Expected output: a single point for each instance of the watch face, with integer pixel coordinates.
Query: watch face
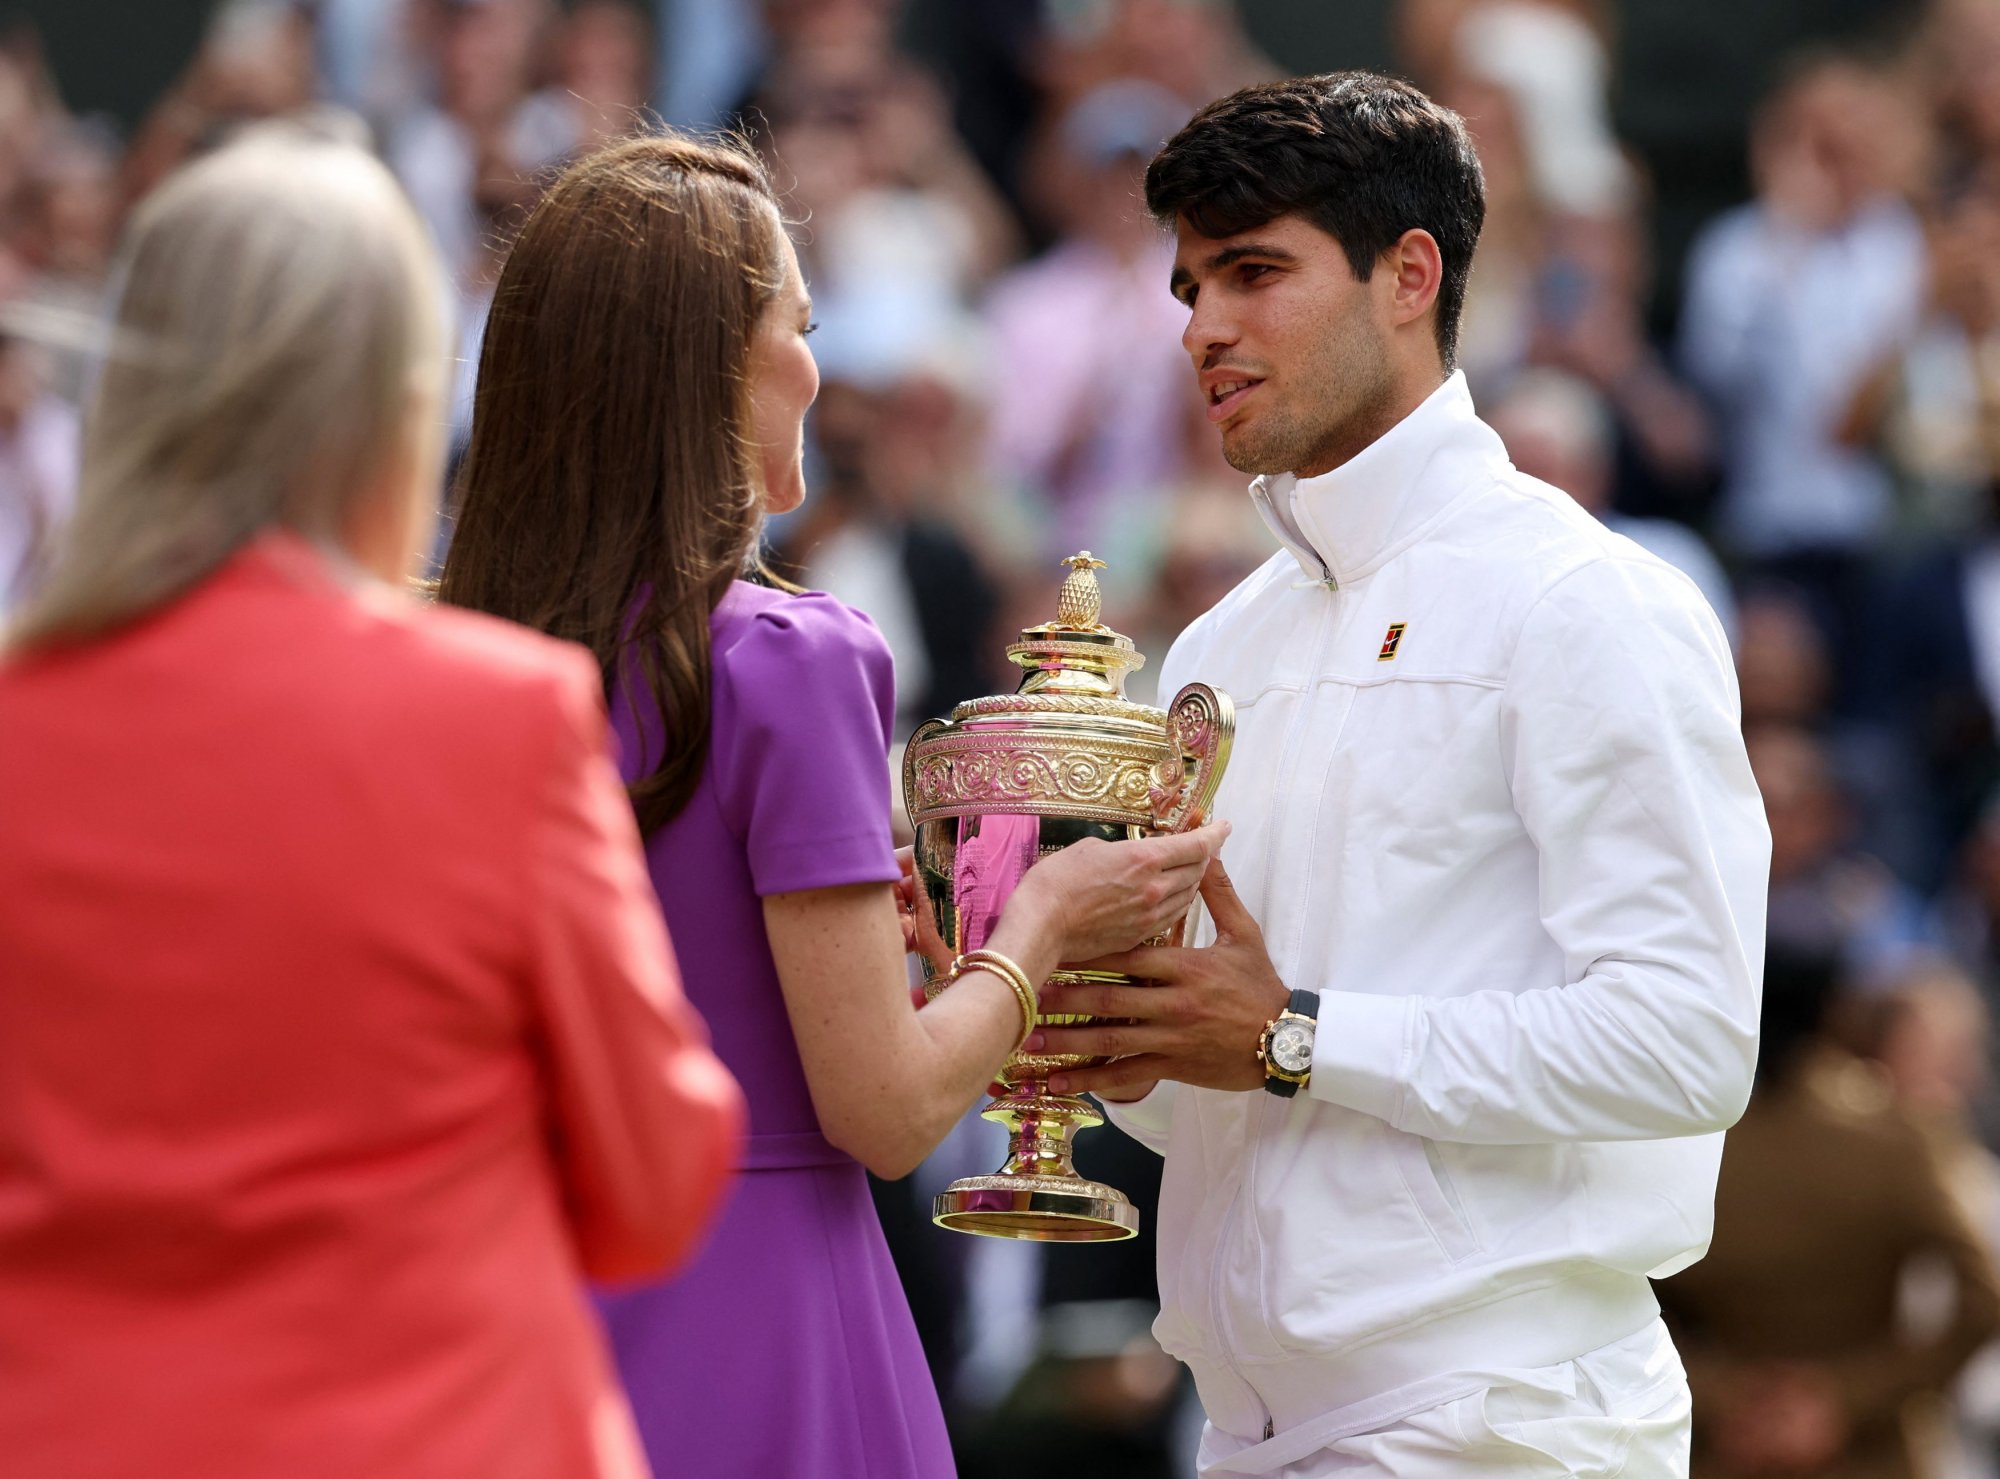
(1292, 1047)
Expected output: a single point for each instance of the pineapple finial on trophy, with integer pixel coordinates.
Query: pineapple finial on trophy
(1080, 604)
(1076, 653)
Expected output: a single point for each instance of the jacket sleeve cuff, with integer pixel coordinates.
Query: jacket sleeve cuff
(1361, 1051)
(1146, 1120)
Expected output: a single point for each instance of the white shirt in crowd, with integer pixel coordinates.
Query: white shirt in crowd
(1780, 328)
(433, 155)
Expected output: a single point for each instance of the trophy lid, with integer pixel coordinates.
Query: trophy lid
(1076, 653)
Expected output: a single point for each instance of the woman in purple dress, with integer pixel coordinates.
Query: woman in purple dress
(641, 398)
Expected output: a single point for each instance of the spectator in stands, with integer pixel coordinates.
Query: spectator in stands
(1931, 406)
(1595, 282)
(1089, 375)
(255, 62)
(67, 218)
(1817, 875)
(70, 205)
(1783, 664)
(1930, 1031)
(905, 229)
(1958, 56)
(605, 68)
(1791, 302)
(1551, 57)
(488, 131)
(1927, 668)
(1790, 1326)
(1194, 51)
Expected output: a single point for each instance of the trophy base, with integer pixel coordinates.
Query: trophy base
(1040, 1209)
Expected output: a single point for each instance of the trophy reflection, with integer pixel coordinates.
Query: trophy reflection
(1007, 780)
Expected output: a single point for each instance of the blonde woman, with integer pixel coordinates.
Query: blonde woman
(338, 1029)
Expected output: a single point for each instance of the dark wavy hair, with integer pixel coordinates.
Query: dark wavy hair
(609, 493)
(1363, 157)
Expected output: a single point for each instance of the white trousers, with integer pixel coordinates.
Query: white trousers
(1620, 1411)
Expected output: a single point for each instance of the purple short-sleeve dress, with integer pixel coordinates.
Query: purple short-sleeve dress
(786, 1349)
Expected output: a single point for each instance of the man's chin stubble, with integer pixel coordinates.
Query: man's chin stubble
(1256, 457)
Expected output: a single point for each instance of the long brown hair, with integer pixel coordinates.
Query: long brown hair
(610, 493)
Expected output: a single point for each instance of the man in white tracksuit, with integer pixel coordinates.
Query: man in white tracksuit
(1442, 1080)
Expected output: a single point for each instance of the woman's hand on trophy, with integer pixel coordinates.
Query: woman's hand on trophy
(1198, 1022)
(1102, 896)
(919, 920)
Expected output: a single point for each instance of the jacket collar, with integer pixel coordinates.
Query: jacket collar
(1343, 525)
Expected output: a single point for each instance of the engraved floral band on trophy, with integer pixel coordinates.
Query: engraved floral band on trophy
(1007, 780)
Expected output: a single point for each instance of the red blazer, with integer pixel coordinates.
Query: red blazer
(339, 1037)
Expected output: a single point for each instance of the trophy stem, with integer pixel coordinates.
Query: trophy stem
(1040, 1128)
(1037, 1195)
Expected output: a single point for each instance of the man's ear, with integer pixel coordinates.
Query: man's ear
(1416, 272)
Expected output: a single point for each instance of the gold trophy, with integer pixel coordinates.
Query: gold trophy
(1006, 781)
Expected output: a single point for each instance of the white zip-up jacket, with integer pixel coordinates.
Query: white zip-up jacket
(1490, 800)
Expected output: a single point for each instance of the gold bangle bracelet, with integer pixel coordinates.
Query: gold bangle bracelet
(1016, 979)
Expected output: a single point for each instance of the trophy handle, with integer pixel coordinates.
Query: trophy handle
(924, 731)
(1201, 725)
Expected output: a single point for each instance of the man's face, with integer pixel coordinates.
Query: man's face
(1291, 349)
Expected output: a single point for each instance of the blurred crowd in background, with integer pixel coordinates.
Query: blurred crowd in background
(1804, 415)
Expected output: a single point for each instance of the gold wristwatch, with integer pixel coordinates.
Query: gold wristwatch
(1286, 1048)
